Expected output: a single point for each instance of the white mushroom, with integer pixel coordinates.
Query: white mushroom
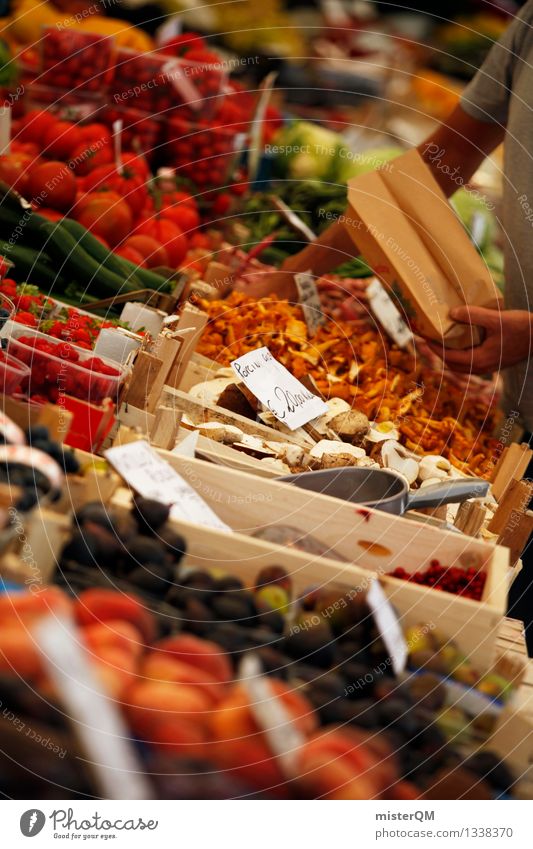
(367, 463)
(429, 482)
(382, 431)
(209, 391)
(394, 457)
(434, 466)
(329, 446)
(228, 434)
(276, 465)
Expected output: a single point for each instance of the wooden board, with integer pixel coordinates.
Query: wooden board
(472, 624)
(201, 412)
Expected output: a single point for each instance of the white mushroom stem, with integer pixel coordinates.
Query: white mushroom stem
(434, 466)
(393, 457)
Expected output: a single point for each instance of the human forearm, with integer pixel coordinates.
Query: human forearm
(457, 148)
(333, 247)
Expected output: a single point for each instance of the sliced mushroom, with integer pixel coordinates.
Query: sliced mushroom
(329, 446)
(382, 431)
(209, 391)
(228, 434)
(434, 466)
(394, 457)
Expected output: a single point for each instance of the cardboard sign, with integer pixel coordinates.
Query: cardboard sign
(152, 477)
(271, 715)
(402, 223)
(389, 626)
(96, 720)
(310, 301)
(387, 314)
(275, 387)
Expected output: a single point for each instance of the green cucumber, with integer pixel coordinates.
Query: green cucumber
(98, 251)
(82, 267)
(29, 265)
(149, 279)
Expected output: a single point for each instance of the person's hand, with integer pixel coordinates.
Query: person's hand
(261, 284)
(508, 337)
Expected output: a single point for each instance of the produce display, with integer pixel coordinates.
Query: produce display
(173, 671)
(253, 638)
(357, 363)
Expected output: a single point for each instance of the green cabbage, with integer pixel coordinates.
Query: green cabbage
(476, 216)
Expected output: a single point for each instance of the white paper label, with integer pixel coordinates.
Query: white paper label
(152, 477)
(188, 445)
(169, 30)
(387, 314)
(271, 715)
(286, 398)
(310, 301)
(97, 721)
(389, 626)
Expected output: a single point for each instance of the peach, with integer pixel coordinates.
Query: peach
(115, 668)
(335, 765)
(19, 654)
(148, 702)
(101, 605)
(31, 605)
(233, 718)
(186, 738)
(200, 653)
(117, 633)
(158, 667)
(252, 761)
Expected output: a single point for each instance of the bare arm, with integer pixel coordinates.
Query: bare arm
(457, 148)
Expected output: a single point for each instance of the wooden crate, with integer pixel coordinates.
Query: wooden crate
(372, 542)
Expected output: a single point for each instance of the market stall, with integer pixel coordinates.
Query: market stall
(269, 538)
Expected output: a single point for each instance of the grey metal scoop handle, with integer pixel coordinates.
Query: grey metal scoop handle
(447, 492)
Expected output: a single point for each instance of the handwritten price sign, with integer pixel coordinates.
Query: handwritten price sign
(278, 389)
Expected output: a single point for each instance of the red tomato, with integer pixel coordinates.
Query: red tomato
(200, 240)
(167, 234)
(171, 198)
(186, 217)
(15, 170)
(106, 215)
(153, 253)
(127, 184)
(34, 125)
(54, 183)
(180, 44)
(136, 163)
(89, 155)
(60, 139)
(46, 212)
(95, 132)
(26, 147)
(127, 252)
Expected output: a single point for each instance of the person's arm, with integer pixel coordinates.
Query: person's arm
(453, 153)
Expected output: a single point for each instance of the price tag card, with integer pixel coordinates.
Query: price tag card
(310, 301)
(389, 626)
(286, 398)
(387, 314)
(152, 477)
(96, 720)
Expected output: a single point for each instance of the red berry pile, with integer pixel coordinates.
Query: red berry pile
(58, 369)
(72, 59)
(450, 579)
(29, 303)
(70, 325)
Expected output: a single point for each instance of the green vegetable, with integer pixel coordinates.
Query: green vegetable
(98, 251)
(75, 261)
(477, 217)
(29, 265)
(307, 151)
